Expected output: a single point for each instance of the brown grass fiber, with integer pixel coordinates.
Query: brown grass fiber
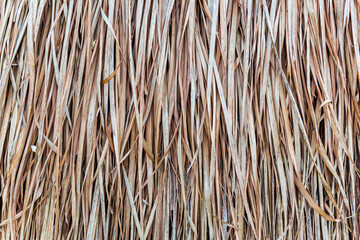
(179, 119)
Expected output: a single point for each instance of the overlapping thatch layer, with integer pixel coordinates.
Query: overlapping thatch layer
(181, 119)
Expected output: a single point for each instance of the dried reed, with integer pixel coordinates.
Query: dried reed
(159, 119)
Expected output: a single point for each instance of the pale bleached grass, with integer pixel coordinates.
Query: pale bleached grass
(192, 119)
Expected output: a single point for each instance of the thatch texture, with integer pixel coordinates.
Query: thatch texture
(181, 119)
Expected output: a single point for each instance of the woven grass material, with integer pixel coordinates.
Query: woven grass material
(181, 119)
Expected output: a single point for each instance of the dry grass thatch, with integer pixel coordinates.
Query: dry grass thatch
(179, 119)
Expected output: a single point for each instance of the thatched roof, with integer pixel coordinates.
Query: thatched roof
(178, 119)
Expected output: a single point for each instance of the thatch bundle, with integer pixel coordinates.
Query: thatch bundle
(181, 119)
